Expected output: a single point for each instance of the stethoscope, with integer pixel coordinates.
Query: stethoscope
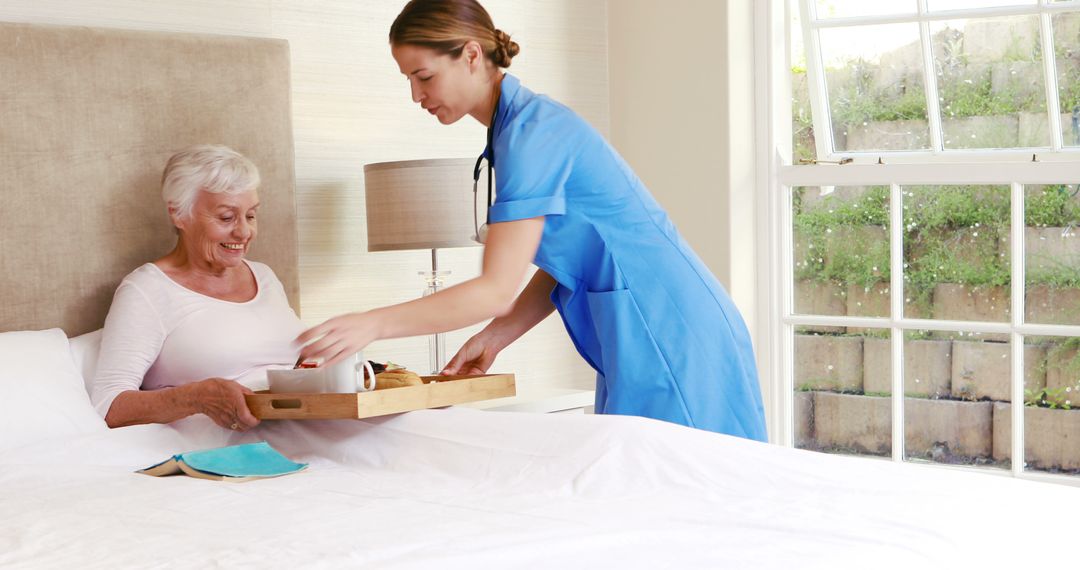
(489, 152)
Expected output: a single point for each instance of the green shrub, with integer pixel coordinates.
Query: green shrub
(952, 234)
(1053, 398)
(1054, 206)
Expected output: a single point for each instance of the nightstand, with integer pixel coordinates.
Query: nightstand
(541, 400)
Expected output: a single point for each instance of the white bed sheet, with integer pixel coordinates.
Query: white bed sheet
(458, 488)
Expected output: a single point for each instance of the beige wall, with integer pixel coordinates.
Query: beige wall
(350, 107)
(680, 74)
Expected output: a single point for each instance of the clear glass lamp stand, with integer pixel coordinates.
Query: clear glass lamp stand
(435, 280)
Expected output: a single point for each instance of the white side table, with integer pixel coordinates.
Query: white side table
(542, 400)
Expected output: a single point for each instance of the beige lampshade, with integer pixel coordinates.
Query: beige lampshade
(422, 204)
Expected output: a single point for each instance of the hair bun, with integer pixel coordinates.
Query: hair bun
(505, 49)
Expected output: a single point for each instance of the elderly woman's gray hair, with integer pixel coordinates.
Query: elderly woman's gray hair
(208, 168)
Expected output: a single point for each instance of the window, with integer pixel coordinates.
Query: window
(926, 289)
(935, 78)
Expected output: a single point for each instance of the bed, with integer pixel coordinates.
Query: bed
(451, 488)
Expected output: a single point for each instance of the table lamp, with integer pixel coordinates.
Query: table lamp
(424, 204)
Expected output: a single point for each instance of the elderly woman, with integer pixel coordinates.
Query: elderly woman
(195, 330)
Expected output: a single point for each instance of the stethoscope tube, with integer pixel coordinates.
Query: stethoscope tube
(489, 152)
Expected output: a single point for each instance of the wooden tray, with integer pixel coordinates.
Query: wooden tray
(436, 392)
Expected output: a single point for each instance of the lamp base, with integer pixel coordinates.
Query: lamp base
(435, 280)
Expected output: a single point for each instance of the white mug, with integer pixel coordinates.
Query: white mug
(348, 375)
(344, 377)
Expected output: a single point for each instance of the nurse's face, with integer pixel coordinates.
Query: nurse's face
(449, 88)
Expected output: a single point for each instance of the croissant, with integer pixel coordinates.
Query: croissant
(397, 379)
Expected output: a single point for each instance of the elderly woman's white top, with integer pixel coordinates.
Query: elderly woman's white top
(160, 334)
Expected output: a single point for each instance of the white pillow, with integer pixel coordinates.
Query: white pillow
(43, 393)
(84, 350)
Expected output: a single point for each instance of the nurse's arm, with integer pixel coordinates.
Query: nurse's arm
(511, 247)
(532, 306)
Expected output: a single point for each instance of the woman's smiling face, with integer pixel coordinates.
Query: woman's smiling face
(220, 229)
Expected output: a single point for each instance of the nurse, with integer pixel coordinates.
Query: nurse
(640, 306)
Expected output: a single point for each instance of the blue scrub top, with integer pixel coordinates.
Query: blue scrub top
(640, 306)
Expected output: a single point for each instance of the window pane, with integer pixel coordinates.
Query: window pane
(853, 8)
(1052, 254)
(841, 257)
(956, 252)
(1051, 414)
(874, 80)
(990, 82)
(953, 383)
(1067, 50)
(802, 123)
(834, 412)
(968, 4)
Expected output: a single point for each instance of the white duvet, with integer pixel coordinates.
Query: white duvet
(460, 488)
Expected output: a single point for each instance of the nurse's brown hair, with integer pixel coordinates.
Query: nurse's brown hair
(446, 25)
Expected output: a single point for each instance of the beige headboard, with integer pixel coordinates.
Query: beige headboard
(88, 118)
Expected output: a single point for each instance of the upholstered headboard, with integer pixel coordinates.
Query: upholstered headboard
(88, 118)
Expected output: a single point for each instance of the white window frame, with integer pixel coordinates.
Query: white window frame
(777, 176)
(822, 119)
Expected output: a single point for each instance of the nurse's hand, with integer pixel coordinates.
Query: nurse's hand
(339, 337)
(475, 356)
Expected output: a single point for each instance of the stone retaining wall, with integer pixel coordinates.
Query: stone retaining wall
(957, 406)
(957, 385)
(927, 367)
(956, 369)
(1043, 304)
(1051, 437)
(932, 428)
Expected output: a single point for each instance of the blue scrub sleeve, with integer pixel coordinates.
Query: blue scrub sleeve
(532, 165)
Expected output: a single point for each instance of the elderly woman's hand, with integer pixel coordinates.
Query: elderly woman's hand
(223, 400)
(339, 337)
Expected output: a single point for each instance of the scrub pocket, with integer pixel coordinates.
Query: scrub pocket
(637, 377)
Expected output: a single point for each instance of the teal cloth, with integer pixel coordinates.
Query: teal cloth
(247, 460)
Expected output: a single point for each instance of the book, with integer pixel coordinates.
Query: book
(234, 463)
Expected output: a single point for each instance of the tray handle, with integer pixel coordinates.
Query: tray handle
(287, 404)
